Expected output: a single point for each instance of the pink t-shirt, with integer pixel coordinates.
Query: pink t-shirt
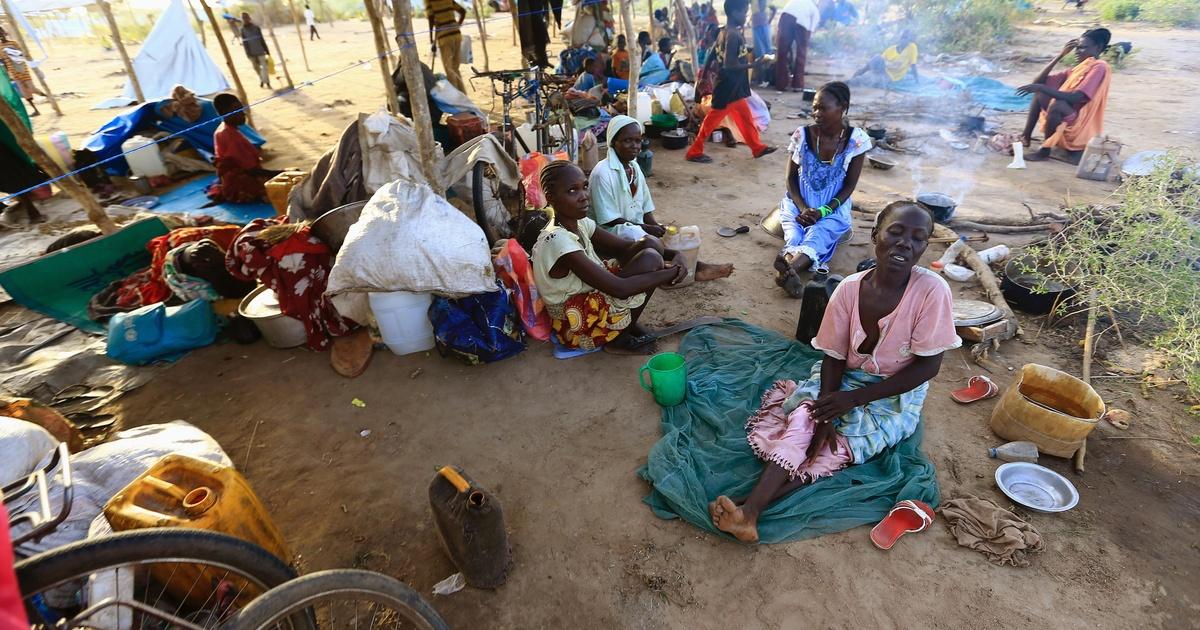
(922, 324)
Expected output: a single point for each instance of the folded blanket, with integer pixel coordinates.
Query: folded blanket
(704, 453)
(992, 530)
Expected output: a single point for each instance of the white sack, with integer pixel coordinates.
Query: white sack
(102, 471)
(410, 239)
(22, 446)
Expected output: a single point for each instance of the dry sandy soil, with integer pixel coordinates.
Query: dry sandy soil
(559, 442)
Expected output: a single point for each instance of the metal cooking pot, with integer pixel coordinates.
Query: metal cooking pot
(1019, 286)
(332, 226)
(942, 206)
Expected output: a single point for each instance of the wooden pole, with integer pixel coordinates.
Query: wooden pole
(271, 30)
(15, 29)
(77, 190)
(382, 60)
(383, 29)
(487, 66)
(635, 57)
(299, 34)
(410, 64)
(116, 35)
(199, 24)
(237, 81)
(513, 12)
(682, 18)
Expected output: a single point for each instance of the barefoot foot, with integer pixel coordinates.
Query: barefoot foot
(715, 512)
(735, 520)
(706, 271)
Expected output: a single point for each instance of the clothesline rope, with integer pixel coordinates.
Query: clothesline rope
(280, 94)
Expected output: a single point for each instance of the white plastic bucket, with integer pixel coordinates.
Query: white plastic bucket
(144, 162)
(403, 319)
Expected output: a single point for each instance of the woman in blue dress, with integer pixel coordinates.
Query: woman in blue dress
(827, 159)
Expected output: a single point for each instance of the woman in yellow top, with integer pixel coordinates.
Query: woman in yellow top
(894, 63)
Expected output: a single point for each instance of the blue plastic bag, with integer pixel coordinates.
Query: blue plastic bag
(476, 329)
(160, 333)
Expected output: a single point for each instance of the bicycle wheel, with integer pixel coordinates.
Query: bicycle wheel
(186, 577)
(343, 598)
(492, 201)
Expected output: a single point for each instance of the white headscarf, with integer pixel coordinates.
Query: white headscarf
(617, 124)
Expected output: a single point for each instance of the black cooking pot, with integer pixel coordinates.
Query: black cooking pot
(941, 206)
(1030, 291)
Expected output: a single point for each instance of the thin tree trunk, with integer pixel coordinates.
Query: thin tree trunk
(410, 65)
(116, 35)
(271, 30)
(635, 57)
(237, 80)
(299, 34)
(487, 66)
(382, 58)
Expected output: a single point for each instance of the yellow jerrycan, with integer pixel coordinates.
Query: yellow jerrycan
(183, 491)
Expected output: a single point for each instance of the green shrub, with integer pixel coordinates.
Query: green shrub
(1170, 12)
(961, 25)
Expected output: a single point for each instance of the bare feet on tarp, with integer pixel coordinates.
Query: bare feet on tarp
(735, 520)
(706, 271)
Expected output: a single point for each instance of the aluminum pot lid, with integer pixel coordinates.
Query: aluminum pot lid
(974, 312)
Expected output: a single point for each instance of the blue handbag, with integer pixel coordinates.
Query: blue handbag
(160, 333)
(476, 329)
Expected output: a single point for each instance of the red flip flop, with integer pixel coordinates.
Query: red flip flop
(978, 388)
(907, 517)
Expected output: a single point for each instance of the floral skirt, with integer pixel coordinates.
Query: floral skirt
(783, 438)
(589, 320)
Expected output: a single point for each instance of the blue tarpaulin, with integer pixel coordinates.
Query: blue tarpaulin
(106, 141)
(984, 91)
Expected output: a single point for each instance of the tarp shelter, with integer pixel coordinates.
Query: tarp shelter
(173, 55)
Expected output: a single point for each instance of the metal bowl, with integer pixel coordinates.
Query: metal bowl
(1036, 487)
(881, 163)
(332, 226)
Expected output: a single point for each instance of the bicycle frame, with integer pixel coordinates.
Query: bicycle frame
(43, 521)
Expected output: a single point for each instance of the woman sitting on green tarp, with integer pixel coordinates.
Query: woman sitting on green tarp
(883, 336)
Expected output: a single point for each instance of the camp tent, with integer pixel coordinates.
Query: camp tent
(172, 55)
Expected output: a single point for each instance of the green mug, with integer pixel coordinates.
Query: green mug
(668, 378)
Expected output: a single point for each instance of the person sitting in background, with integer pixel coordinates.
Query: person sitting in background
(587, 78)
(826, 161)
(894, 63)
(645, 45)
(665, 51)
(440, 132)
(620, 198)
(883, 334)
(620, 60)
(239, 163)
(595, 284)
(1070, 104)
(19, 173)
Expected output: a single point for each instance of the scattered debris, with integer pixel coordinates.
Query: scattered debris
(450, 585)
(358, 402)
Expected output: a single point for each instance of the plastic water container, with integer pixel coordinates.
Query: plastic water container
(644, 105)
(686, 241)
(403, 318)
(183, 491)
(145, 162)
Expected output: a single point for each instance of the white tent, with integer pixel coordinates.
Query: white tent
(172, 55)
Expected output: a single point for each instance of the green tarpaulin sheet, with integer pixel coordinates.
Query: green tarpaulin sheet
(61, 284)
(703, 452)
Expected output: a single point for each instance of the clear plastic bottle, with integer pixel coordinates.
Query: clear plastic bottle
(958, 273)
(1015, 452)
(993, 254)
(952, 252)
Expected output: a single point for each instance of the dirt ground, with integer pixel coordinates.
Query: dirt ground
(559, 442)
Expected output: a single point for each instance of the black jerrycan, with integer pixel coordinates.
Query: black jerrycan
(470, 524)
(814, 299)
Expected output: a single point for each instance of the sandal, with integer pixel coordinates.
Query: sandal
(351, 353)
(907, 517)
(766, 151)
(700, 159)
(793, 285)
(978, 388)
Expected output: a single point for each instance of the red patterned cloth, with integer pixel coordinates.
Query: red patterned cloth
(147, 286)
(297, 270)
(235, 158)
